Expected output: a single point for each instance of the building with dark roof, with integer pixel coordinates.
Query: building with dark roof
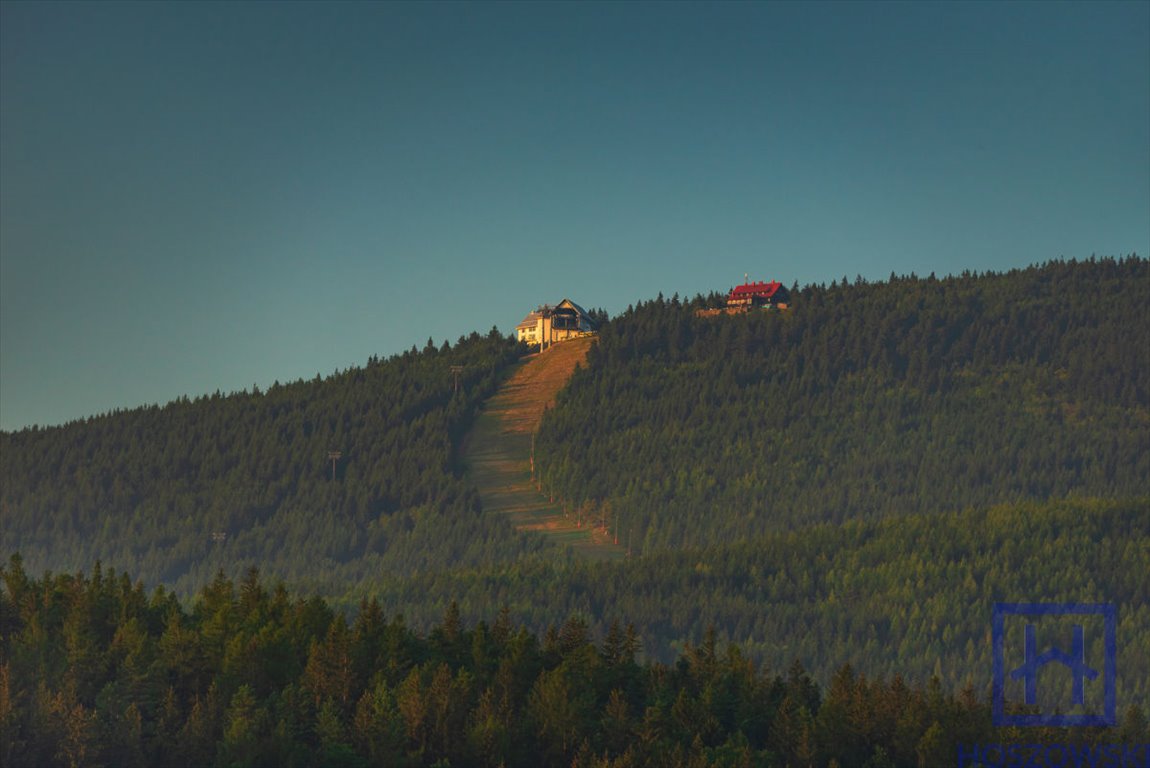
(551, 323)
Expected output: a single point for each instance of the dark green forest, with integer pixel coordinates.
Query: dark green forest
(906, 595)
(854, 480)
(915, 395)
(903, 397)
(96, 671)
(145, 490)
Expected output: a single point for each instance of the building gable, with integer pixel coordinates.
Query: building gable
(551, 323)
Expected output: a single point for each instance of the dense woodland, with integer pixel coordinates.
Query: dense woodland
(908, 595)
(915, 395)
(854, 480)
(145, 490)
(96, 671)
(862, 400)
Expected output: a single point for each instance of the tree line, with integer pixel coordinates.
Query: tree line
(95, 671)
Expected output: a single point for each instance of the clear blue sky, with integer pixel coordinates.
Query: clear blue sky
(207, 196)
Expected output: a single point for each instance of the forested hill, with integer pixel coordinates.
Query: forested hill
(855, 479)
(172, 494)
(914, 395)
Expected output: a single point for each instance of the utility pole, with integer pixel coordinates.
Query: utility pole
(334, 456)
(546, 322)
(457, 369)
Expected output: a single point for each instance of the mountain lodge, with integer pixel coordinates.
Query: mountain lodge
(760, 294)
(549, 324)
(748, 296)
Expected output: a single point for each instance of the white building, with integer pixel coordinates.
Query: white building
(549, 324)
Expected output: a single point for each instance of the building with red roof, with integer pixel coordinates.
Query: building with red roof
(759, 294)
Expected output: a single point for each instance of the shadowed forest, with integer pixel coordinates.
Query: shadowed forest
(98, 672)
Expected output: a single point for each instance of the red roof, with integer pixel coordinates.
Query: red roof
(764, 290)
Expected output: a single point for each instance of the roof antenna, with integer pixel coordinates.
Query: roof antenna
(745, 277)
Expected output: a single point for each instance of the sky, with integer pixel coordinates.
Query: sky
(209, 196)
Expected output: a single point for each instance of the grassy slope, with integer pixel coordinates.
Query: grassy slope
(497, 452)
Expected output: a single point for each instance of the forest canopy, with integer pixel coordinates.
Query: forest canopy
(855, 479)
(174, 493)
(255, 676)
(915, 395)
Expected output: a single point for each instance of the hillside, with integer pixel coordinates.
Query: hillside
(172, 494)
(909, 595)
(497, 452)
(854, 479)
(916, 395)
(858, 478)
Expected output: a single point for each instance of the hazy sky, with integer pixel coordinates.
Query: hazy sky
(207, 196)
